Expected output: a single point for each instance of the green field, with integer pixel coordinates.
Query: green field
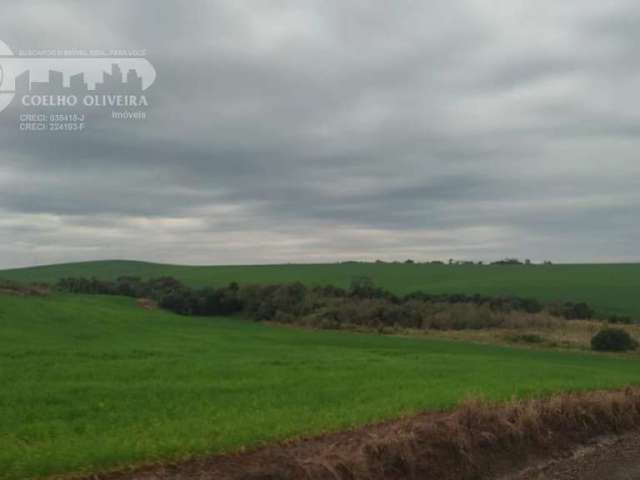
(89, 383)
(609, 288)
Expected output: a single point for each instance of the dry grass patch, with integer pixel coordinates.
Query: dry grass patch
(565, 334)
(13, 288)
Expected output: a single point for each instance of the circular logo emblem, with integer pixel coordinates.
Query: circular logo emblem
(7, 90)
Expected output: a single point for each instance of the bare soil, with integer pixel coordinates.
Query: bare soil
(608, 458)
(147, 303)
(318, 456)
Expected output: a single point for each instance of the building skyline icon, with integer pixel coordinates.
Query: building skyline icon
(113, 82)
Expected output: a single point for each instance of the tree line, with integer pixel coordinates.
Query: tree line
(361, 304)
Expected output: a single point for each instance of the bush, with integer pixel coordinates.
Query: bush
(526, 338)
(613, 340)
(284, 317)
(363, 287)
(620, 319)
(572, 311)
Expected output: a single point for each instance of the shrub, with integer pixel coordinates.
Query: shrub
(625, 320)
(582, 311)
(363, 287)
(613, 340)
(520, 320)
(530, 305)
(461, 317)
(324, 320)
(284, 317)
(507, 261)
(572, 311)
(526, 338)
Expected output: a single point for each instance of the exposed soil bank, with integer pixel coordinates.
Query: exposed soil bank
(476, 441)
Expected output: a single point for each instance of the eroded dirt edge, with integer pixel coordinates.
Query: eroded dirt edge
(477, 440)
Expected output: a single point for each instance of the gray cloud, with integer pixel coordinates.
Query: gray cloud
(325, 130)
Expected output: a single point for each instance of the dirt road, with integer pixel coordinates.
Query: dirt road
(608, 459)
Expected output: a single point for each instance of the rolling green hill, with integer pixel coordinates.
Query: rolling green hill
(89, 383)
(610, 288)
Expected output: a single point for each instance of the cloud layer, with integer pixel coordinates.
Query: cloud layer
(330, 130)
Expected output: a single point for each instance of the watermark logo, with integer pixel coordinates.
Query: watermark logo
(7, 91)
(64, 88)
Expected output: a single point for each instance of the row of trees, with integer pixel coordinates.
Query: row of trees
(452, 261)
(170, 293)
(362, 304)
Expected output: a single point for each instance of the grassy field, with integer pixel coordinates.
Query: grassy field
(89, 383)
(609, 288)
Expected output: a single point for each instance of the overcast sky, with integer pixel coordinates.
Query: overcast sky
(311, 131)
